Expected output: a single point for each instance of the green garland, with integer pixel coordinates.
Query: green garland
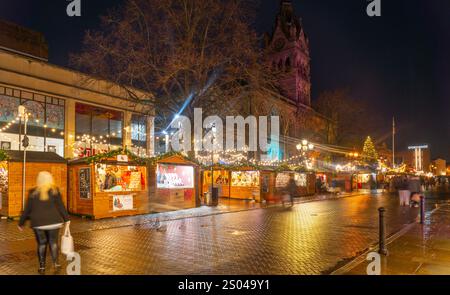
(154, 160)
(111, 154)
(3, 155)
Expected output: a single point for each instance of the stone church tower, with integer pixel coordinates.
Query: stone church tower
(288, 53)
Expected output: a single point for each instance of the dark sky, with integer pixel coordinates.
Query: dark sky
(399, 62)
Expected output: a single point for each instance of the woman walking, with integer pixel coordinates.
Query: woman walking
(47, 215)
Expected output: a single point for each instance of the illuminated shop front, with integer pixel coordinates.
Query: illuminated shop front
(364, 181)
(275, 184)
(45, 128)
(174, 183)
(110, 187)
(236, 184)
(97, 130)
(245, 184)
(68, 116)
(221, 180)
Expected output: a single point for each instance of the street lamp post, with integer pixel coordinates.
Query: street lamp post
(25, 142)
(304, 146)
(213, 130)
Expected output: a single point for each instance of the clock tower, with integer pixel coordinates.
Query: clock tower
(288, 54)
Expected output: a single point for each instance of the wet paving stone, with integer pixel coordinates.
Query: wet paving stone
(310, 238)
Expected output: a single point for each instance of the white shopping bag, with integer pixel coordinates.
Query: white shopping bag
(67, 242)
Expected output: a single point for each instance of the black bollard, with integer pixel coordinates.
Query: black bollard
(422, 209)
(382, 237)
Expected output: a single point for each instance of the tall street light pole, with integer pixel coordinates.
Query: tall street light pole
(393, 142)
(25, 142)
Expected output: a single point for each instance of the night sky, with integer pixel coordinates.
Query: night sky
(399, 62)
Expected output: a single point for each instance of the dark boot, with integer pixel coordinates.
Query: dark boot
(41, 269)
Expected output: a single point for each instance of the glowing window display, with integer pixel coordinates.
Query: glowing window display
(174, 176)
(118, 178)
(245, 178)
(282, 179)
(300, 179)
(220, 177)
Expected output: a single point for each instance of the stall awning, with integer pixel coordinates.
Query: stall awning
(35, 157)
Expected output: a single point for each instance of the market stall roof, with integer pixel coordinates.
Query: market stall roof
(111, 161)
(175, 158)
(35, 157)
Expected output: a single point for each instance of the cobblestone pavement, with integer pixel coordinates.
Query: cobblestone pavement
(423, 249)
(9, 232)
(311, 238)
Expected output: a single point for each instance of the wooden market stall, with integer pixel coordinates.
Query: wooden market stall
(108, 186)
(11, 171)
(274, 183)
(237, 183)
(221, 180)
(259, 184)
(174, 183)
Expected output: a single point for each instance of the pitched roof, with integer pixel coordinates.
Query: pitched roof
(35, 157)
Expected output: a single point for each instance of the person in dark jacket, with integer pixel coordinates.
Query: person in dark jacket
(47, 215)
(291, 189)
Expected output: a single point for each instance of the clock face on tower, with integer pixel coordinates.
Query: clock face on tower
(279, 43)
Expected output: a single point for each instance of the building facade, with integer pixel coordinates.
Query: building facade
(417, 158)
(439, 167)
(70, 113)
(287, 53)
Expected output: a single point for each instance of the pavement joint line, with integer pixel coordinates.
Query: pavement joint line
(374, 247)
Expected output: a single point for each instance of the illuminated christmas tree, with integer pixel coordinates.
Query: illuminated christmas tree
(369, 153)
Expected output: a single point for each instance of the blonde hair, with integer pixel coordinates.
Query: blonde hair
(44, 183)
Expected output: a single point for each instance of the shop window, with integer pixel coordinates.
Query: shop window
(8, 108)
(119, 178)
(174, 176)
(97, 128)
(245, 178)
(45, 124)
(139, 132)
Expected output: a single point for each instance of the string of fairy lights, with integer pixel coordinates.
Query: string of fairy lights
(102, 143)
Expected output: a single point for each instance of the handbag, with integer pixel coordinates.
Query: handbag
(67, 246)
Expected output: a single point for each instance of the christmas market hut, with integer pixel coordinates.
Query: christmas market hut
(11, 177)
(174, 182)
(274, 182)
(110, 184)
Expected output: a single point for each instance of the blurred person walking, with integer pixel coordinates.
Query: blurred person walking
(47, 215)
(403, 192)
(291, 191)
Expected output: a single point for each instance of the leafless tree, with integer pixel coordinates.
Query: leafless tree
(186, 52)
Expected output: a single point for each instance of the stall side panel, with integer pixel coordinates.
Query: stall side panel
(81, 205)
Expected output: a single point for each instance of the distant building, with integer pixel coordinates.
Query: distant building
(71, 114)
(439, 167)
(287, 53)
(24, 41)
(417, 157)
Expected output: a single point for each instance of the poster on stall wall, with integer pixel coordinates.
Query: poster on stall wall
(122, 202)
(84, 177)
(135, 181)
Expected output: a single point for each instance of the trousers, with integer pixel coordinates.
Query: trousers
(46, 238)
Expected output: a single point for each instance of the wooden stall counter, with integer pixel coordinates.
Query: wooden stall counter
(108, 188)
